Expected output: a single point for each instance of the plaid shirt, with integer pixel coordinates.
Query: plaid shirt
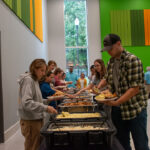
(130, 75)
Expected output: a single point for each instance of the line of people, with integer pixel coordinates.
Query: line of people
(123, 75)
(40, 82)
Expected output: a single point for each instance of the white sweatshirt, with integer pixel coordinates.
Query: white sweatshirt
(31, 105)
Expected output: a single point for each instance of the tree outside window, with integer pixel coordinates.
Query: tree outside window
(76, 35)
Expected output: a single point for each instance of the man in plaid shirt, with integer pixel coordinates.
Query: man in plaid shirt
(125, 77)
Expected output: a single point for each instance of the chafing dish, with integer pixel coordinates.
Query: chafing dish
(81, 106)
(78, 135)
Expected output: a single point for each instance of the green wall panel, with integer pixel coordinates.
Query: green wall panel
(137, 27)
(19, 8)
(14, 6)
(120, 24)
(106, 6)
(25, 12)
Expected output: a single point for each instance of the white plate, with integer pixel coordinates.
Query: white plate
(108, 99)
(53, 97)
(60, 87)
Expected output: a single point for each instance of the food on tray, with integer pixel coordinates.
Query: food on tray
(105, 95)
(74, 100)
(108, 94)
(74, 128)
(58, 93)
(96, 90)
(81, 96)
(68, 100)
(100, 96)
(90, 91)
(78, 115)
(81, 103)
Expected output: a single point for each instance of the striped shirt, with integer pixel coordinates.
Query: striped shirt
(130, 74)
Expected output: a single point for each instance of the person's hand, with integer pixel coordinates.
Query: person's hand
(77, 93)
(59, 98)
(111, 103)
(95, 92)
(50, 99)
(65, 89)
(50, 109)
(69, 82)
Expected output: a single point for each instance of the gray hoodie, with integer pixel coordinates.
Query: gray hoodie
(31, 105)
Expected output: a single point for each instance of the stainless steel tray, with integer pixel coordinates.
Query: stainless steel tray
(78, 108)
(73, 139)
(78, 117)
(78, 126)
(73, 100)
(76, 103)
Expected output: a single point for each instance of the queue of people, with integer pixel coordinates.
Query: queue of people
(36, 85)
(31, 104)
(123, 75)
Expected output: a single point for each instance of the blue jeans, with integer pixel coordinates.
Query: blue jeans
(137, 127)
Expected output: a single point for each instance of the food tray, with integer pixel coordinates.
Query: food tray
(78, 108)
(78, 139)
(78, 126)
(102, 116)
(78, 103)
(106, 99)
(83, 97)
(71, 100)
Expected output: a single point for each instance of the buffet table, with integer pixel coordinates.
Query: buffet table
(82, 124)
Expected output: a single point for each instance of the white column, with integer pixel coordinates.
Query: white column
(93, 27)
(56, 32)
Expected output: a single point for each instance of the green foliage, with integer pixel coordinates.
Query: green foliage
(76, 36)
(72, 56)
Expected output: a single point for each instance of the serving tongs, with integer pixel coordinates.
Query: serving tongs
(53, 117)
(53, 120)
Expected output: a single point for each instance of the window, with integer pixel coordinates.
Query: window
(76, 35)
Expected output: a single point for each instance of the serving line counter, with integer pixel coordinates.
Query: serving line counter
(82, 124)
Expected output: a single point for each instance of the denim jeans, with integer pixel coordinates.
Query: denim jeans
(137, 127)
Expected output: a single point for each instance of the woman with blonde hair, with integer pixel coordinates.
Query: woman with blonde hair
(31, 105)
(100, 71)
(51, 65)
(82, 81)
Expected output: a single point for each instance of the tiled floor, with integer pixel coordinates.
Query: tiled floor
(16, 142)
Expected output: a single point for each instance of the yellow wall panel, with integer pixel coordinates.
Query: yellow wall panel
(38, 19)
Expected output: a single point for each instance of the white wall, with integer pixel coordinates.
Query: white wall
(19, 48)
(56, 33)
(93, 27)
